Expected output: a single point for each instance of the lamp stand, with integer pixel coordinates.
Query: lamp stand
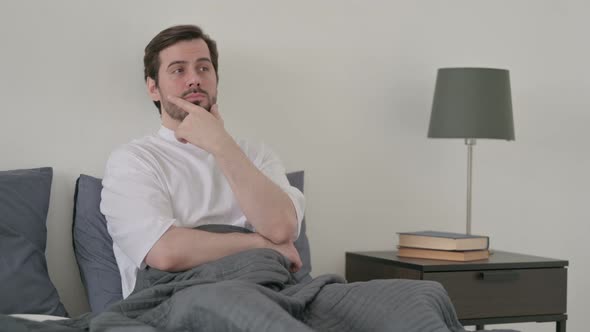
(470, 142)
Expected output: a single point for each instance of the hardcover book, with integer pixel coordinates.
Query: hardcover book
(443, 241)
(462, 256)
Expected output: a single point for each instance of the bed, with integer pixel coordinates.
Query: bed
(249, 291)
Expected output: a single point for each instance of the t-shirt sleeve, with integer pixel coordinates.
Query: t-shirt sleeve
(135, 204)
(269, 163)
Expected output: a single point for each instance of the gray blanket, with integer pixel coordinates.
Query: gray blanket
(254, 291)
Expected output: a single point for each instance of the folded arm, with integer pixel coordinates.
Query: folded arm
(141, 222)
(180, 248)
(266, 206)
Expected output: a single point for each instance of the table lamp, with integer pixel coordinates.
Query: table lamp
(471, 103)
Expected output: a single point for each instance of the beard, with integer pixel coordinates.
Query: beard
(178, 113)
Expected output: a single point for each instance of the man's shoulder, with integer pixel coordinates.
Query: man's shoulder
(258, 152)
(251, 147)
(138, 149)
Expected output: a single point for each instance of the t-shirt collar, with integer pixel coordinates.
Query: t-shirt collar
(167, 134)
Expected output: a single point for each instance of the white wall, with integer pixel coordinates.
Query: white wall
(342, 89)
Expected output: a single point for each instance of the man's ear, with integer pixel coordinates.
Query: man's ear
(152, 88)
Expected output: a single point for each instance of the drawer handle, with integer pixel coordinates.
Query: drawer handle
(498, 276)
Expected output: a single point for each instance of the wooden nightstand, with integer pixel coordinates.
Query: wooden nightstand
(506, 288)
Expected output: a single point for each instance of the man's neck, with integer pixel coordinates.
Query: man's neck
(169, 122)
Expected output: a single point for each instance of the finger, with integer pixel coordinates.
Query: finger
(179, 137)
(215, 112)
(299, 264)
(294, 267)
(186, 106)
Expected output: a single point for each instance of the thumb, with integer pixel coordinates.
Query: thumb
(179, 137)
(215, 112)
(296, 265)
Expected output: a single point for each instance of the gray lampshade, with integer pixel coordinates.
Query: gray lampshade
(472, 103)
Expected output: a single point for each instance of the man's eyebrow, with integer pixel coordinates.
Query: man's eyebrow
(203, 59)
(176, 63)
(182, 62)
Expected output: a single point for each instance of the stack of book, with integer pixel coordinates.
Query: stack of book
(444, 246)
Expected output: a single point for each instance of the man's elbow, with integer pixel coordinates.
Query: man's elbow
(161, 257)
(286, 233)
(160, 261)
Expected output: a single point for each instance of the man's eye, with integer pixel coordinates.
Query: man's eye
(204, 68)
(177, 71)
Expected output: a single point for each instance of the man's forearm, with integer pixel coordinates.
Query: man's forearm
(266, 206)
(180, 249)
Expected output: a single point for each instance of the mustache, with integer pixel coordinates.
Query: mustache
(194, 90)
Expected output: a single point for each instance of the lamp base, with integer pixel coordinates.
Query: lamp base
(470, 142)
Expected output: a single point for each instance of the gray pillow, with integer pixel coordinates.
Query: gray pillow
(302, 243)
(93, 245)
(25, 286)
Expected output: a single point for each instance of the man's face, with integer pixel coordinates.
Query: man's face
(185, 71)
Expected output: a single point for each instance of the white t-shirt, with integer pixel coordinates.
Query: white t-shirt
(155, 182)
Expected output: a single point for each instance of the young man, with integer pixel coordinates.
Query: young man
(157, 189)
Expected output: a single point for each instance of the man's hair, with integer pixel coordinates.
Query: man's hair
(167, 38)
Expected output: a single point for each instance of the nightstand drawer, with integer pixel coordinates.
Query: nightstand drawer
(504, 293)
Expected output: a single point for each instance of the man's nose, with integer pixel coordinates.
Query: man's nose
(193, 80)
